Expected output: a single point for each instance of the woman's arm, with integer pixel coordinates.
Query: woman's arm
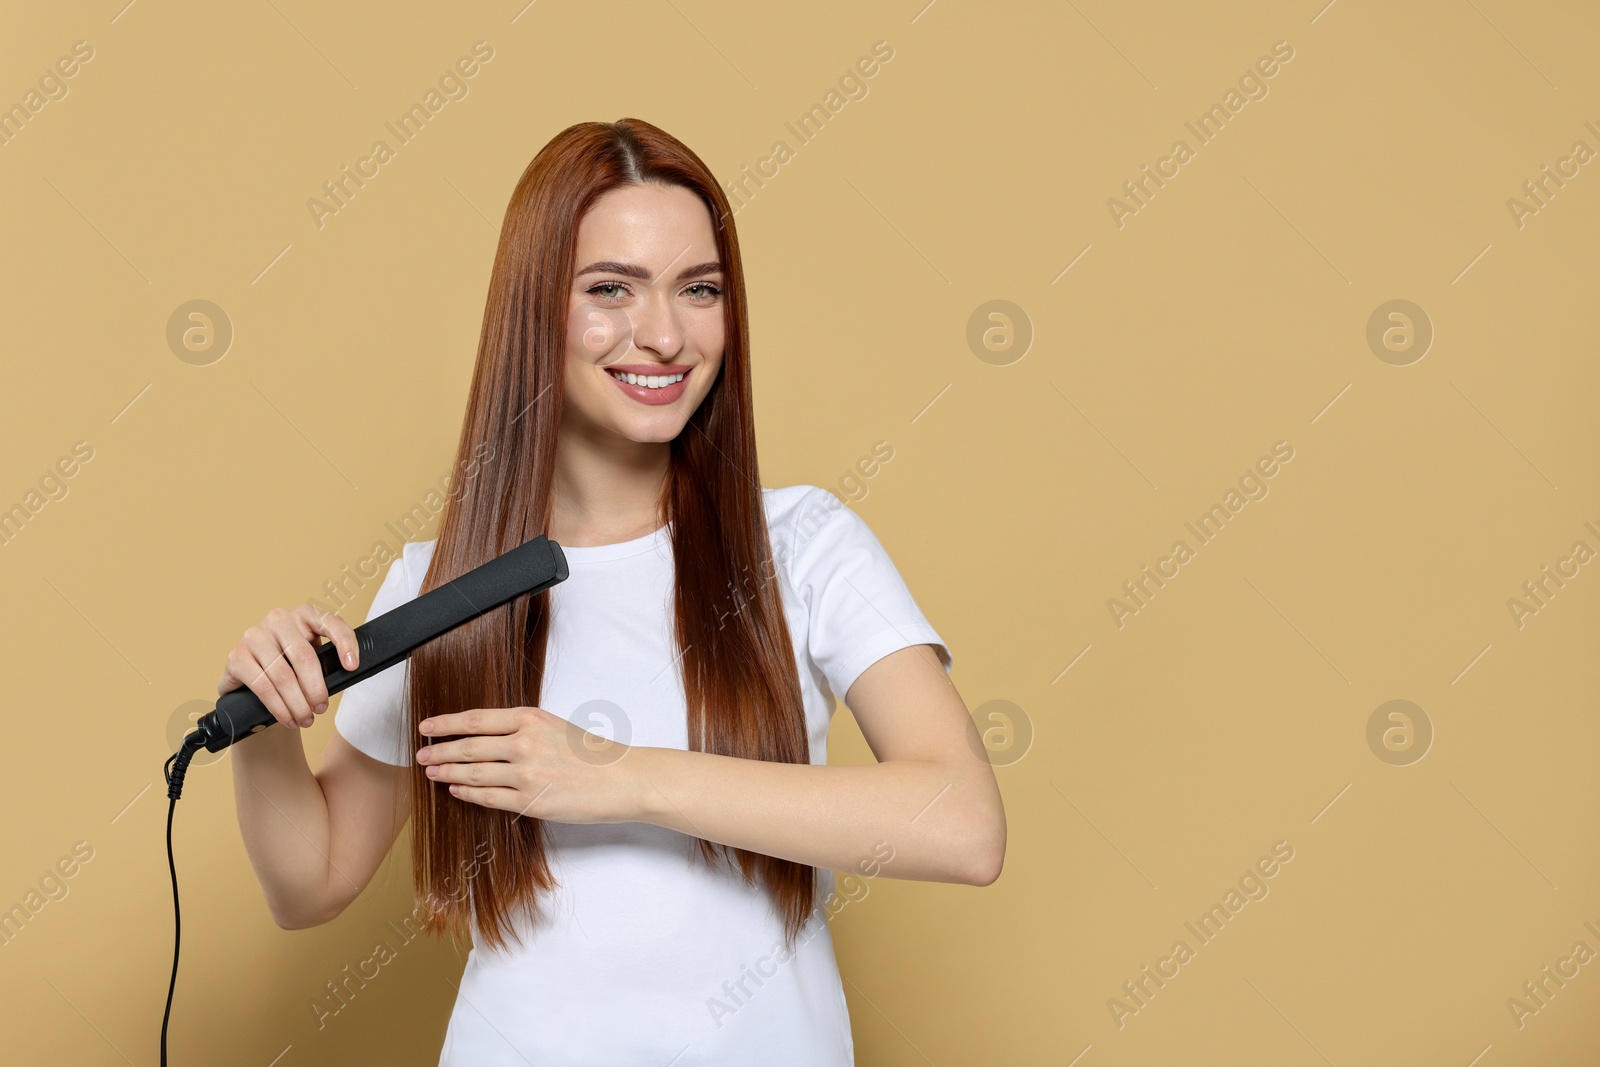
(314, 839)
(932, 796)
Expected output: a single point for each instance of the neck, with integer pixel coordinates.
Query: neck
(607, 489)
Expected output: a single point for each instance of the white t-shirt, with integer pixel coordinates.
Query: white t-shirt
(645, 955)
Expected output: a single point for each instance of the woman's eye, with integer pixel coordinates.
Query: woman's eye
(616, 290)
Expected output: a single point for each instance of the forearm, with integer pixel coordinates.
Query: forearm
(944, 823)
(283, 817)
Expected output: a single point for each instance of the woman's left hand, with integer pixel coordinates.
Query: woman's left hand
(532, 762)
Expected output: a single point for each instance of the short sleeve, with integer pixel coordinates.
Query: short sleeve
(859, 608)
(371, 713)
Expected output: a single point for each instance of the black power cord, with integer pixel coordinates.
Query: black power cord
(173, 770)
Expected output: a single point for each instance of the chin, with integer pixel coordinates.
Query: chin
(650, 432)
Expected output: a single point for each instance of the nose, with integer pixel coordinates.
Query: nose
(656, 328)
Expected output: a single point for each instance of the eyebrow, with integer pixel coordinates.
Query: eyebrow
(632, 271)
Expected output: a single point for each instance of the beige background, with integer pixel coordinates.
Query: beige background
(1229, 313)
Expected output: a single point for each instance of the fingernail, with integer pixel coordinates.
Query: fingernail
(322, 706)
(427, 726)
(349, 659)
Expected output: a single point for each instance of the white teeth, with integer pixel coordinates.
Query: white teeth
(653, 381)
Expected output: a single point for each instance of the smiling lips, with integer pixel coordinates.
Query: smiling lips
(650, 383)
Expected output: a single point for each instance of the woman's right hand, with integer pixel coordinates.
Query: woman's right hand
(277, 660)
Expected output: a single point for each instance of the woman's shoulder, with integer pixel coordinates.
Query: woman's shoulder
(776, 495)
(793, 511)
(414, 559)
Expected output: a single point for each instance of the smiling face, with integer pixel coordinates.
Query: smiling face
(644, 316)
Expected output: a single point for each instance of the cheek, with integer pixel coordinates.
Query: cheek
(598, 335)
(578, 379)
(578, 388)
(710, 339)
(577, 323)
(707, 374)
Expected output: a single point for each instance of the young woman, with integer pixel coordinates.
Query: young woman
(619, 787)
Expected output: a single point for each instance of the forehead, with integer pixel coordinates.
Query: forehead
(650, 225)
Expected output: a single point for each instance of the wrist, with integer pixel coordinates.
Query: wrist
(640, 768)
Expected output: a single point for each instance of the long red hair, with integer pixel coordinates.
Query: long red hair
(740, 678)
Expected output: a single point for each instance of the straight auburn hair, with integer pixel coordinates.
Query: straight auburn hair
(738, 669)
